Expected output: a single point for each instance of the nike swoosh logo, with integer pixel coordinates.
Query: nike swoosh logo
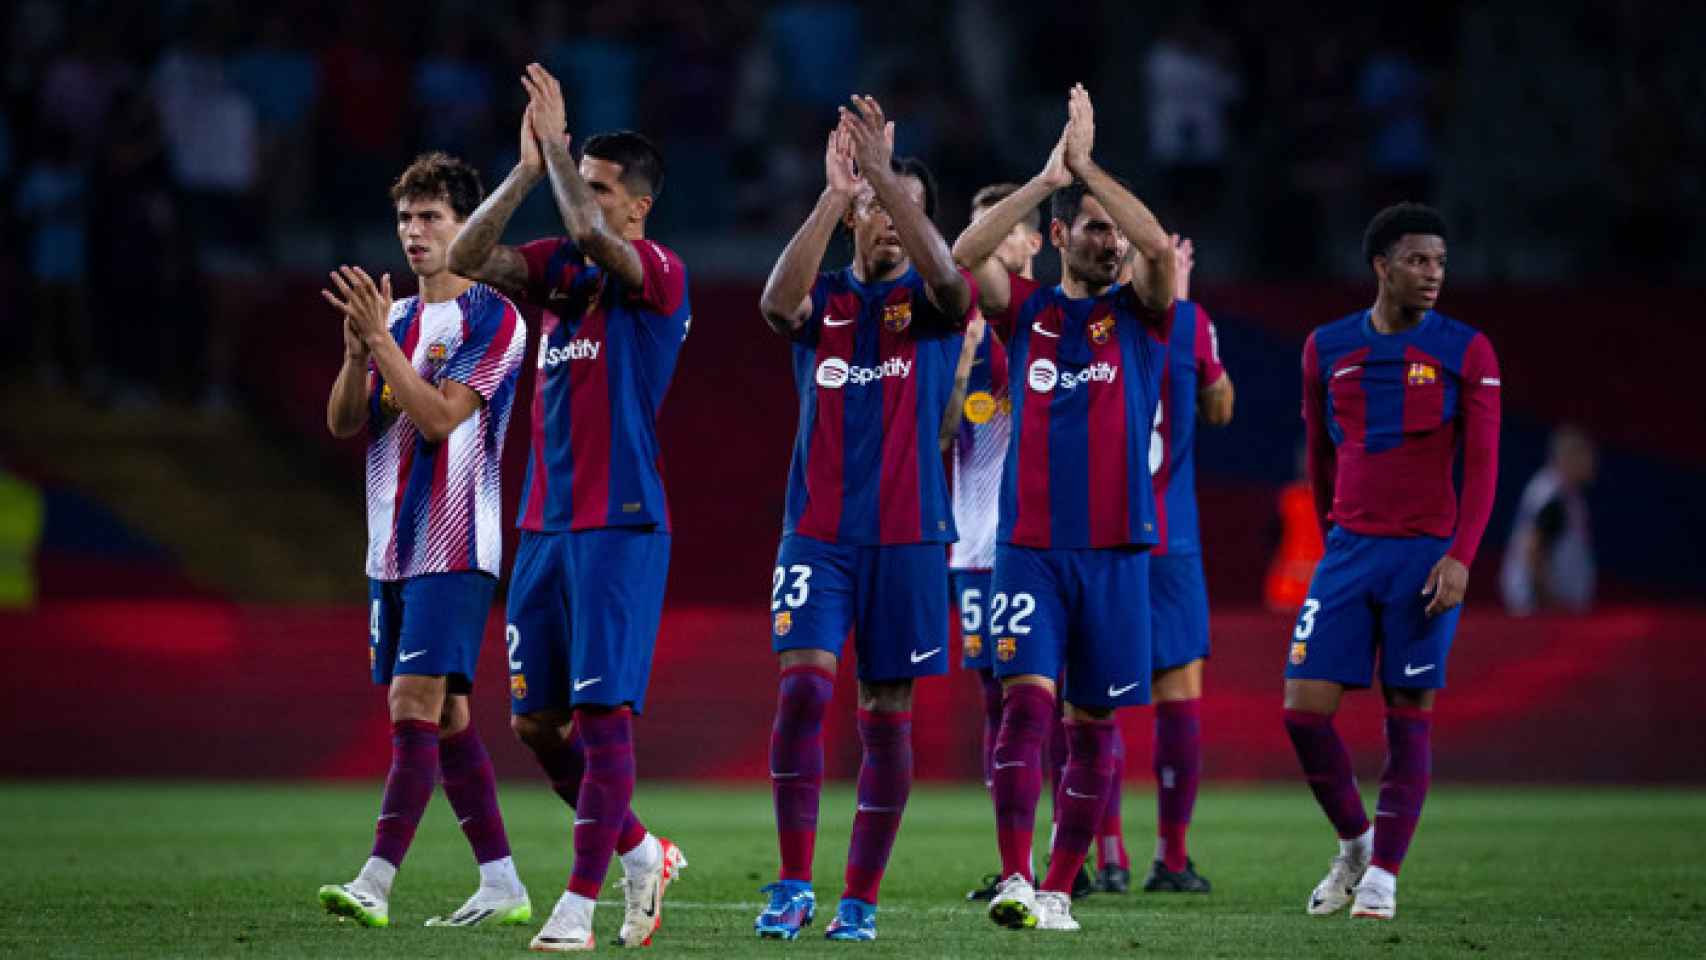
(1114, 691)
(1037, 327)
(583, 684)
(1410, 671)
(1082, 796)
(406, 657)
(867, 808)
(389, 816)
(782, 776)
(921, 657)
(830, 321)
(581, 821)
(1339, 373)
(557, 295)
(463, 821)
(1010, 763)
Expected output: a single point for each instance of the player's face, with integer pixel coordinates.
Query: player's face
(621, 208)
(1414, 272)
(425, 228)
(1092, 248)
(875, 240)
(1018, 248)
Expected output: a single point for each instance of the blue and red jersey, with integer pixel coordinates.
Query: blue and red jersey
(1086, 381)
(874, 366)
(606, 355)
(434, 507)
(1193, 362)
(1385, 415)
(980, 450)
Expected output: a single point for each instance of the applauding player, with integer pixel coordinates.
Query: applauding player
(589, 574)
(876, 350)
(1071, 588)
(431, 379)
(1389, 395)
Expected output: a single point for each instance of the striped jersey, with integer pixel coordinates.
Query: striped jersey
(435, 507)
(606, 356)
(874, 366)
(1193, 362)
(979, 451)
(1086, 376)
(1385, 415)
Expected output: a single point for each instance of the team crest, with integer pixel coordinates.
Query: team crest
(436, 355)
(1298, 652)
(897, 316)
(1422, 374)
(784, 623)
(372, 658)
(974, 644)
(980, 406)
(388, 401)
(1006, 648)
(518, 686)
(1101, 330)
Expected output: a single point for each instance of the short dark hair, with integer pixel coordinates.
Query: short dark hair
(995, 193)
(1394, 222)
(914, 167)
(640, 159)
(440, 176)
(1068, 200)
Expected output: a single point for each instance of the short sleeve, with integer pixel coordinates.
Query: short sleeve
(492, 350)
(809, 330)
(553, 263)
(665, 286)
(1020, 290)
(1209, 368)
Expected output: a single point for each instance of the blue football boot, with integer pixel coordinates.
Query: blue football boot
(854, 920)
(792, 906)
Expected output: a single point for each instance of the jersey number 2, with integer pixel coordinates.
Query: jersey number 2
(797, 594)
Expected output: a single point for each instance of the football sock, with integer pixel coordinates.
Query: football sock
(796, 765)
(606, 791)
(645, 854)
(991, 721)
(1403, 785)
(566, 767)
(1178, 769)
(1083, 794)
(1018, 774)
(1327, 767)
(376, 876)
(408, 788)
(1110, 836)
(473, 793)
(885, 780)
(1057, 751)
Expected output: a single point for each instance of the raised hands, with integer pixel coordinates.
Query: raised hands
(532, 159)
(838, 171)
(1054, 172)
(871, 136)
(545, 106)
(1080, 129)
(366, 306)
(1184, 260)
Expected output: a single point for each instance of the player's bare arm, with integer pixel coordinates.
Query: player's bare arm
(1214, 402)
(976, 246)
(346, 408)
(1156, 286)
(786, 302)
(476, 253)
(873, 148)
(584, 220)
(975, 332)
(1481, 413)
(435, 411)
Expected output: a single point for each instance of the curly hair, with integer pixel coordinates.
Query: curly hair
(440, 176)
(1394, 222)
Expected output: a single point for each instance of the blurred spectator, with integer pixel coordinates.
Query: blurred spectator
(1394, 94)
(1300, 547)
(362, 135)
(1191, 88)
(79, 87)
(453, 97)
(52, 201)
(1549, 559)
(282, 81)
(211, 135)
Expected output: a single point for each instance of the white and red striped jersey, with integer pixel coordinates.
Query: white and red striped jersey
(435, 507)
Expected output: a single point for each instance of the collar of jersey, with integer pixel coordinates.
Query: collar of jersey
(1369, 331)
(875, 286)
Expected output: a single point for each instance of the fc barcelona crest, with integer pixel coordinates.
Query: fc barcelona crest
(436, 355)
(1298, 652)
(974, 645)
(1006, 648)
(518, 686)
(897, 316)
(1101, 330)
(1422, 374)
(784, 623)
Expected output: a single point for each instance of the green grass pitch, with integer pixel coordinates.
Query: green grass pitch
(196, 870)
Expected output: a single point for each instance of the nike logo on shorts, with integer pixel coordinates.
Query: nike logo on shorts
(1114, 691)
(921, 657)
(1410, 671)
(583, 684)
(406, 657)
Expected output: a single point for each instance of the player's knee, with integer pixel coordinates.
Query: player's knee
(416, 698)
(1077, 714)
(894, 696)
(539, 734)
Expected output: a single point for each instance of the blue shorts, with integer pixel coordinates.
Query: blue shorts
(1178, 605)
(971, 595)
(893, 598)
(428, 626)
(1082, 611)
(583, 615)
(1367, 596)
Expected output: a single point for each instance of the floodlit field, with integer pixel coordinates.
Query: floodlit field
(146, 870)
